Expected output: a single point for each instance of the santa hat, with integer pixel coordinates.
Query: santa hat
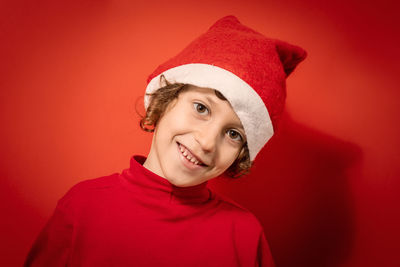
(248, 68)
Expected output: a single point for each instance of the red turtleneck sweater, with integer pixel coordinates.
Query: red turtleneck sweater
(138, 218)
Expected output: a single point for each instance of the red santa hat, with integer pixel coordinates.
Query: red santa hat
(248, 68)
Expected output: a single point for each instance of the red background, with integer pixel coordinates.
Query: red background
(326, 188)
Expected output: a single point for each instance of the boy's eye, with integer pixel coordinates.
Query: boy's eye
(200, 108)
(234, 135)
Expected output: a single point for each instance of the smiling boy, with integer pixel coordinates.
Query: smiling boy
(212, 108)
(197, 138)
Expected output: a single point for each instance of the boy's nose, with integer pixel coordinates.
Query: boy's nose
(207, 137)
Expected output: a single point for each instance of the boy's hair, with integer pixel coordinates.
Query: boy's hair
(159, 101)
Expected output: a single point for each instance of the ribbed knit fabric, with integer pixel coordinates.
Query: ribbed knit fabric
(138, 218)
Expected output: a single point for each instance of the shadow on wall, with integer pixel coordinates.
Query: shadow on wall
(299, 190)
(19, 223)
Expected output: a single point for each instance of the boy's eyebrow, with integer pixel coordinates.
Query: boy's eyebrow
(210, 100)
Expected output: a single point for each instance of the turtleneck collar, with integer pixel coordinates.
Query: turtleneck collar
(148, 184)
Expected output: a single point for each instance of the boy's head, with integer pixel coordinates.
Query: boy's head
(160, 102)
(248, 69)
(197, 134)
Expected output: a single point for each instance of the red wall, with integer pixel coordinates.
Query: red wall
(326, 188)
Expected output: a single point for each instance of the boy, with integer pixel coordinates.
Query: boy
(212, 108)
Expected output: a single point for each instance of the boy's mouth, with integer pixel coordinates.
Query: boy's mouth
(190, 156)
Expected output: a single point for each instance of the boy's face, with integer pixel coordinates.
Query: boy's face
(198, 138)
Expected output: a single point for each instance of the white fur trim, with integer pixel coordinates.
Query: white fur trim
(247, 104)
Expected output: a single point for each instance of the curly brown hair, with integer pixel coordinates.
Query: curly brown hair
(159, 101)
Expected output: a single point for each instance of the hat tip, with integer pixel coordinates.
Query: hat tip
(228, 19)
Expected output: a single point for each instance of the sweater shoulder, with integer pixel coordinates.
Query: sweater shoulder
(91, 186)
(241, 215)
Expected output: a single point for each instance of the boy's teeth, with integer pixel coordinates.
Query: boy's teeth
(188, 156)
